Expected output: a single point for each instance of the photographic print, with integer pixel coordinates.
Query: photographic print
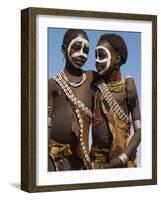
(88, 119)
(57, 66)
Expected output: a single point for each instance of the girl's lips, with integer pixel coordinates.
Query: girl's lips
(79, 61)
(99, 68)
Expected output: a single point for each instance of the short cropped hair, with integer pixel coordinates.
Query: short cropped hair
(72, 33)
(118, 43)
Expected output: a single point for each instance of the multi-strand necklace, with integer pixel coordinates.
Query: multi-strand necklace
(74, 83)
(62, 82)
(117, 86)
(69, 93)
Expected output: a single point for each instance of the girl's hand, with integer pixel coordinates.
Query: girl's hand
(115, 163)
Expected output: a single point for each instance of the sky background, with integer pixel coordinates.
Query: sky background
(132, 67)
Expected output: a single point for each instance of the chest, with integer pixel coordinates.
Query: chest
(119, 97)
(82, 93)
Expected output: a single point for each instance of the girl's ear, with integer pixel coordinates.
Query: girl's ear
(63, 49)
(118, 59)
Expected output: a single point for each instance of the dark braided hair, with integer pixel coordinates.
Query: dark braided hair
(72, 33)
(118, 43)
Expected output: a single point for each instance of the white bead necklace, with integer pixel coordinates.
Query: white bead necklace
(69, 93)
(72, 83)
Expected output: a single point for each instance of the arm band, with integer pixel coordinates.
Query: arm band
(127, 77)
(137, 124)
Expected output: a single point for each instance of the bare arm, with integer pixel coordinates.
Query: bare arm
(136, 119)
(130, 90)
(136, 138)
(51, 90)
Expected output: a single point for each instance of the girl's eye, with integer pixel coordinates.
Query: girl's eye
(86, 50)
(76, 47)
(102, 56)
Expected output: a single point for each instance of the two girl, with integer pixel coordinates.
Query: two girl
(73, 104)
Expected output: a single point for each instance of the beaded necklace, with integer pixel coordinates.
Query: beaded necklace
(117, 87)
(69, 93)
(80, 105)
(72, 83)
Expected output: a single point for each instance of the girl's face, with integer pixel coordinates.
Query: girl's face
(77, 51)
(105, 57)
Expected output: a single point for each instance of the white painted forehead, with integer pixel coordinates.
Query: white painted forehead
(105, 49)
(102, 47)
(79, 39)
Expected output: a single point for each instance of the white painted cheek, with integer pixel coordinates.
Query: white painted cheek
(107, 60)
(74, 55)
(78, 53)
(108, 63)
(71, 60)
(70, 56)
(81, 50)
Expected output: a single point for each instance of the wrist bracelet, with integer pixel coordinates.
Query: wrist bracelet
(124, 158)
(137, 124)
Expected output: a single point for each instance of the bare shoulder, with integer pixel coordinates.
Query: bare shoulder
(130, 84)
(89, 74)
(131, 93)
(92, 75)
(52, 85)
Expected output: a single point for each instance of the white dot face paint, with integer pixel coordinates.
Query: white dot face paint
(105, 60)
(78, 53)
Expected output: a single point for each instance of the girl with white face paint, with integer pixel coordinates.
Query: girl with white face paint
(105, 60)
(70, 107)
(78, 51)
(70, 101)
(113, 145)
